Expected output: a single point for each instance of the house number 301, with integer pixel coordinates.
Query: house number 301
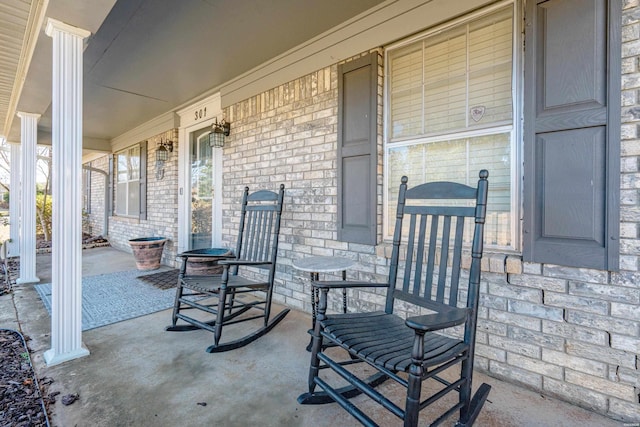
(200, 114)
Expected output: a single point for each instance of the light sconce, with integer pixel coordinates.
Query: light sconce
(164, 148)
(162, 155)
(218, 132)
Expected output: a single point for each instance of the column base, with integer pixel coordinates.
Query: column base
(51, 358)
(26, 281)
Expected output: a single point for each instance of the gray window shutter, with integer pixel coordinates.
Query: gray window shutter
(357, 154)
(572, 133)
(143, 180)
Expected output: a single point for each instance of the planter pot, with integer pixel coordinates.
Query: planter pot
(148, 252)
(207, 263)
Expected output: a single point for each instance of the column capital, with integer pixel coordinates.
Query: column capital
(25, 115)
(54, 24)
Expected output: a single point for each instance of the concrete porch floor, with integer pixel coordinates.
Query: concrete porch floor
(139, 375)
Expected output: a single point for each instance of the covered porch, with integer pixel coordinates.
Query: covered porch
(139, 374)
(152, 78)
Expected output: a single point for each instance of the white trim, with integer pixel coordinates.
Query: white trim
(453, 136)
(28, 144)
(212, 103)
(66, 251)
(449, 24)
(183, 190)
(37, 14)
(54, 24)
(216, 226)
(51, 358)
(146, 130)
(14, 202)
(517, 166)
(188, 124)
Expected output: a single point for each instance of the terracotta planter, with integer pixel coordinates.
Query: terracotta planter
(148, 252)
(199, 266)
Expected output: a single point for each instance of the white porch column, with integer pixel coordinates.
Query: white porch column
(28, 142)
(14, 200)
(66, 250)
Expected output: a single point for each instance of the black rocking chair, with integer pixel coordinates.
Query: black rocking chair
(430, 284)
(228, 296)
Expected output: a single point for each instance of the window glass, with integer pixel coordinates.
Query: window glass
(86, 190)
(450, 114)
(134, 163)
(122, 169)
(127, 197)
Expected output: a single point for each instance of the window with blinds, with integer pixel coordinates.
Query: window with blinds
(128, 182)
(450, 113)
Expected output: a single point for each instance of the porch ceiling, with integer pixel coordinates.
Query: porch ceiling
(147, 57)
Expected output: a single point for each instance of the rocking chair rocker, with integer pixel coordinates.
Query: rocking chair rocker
(228, 296)
(412, 350)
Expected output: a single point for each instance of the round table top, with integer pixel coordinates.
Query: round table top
(323, 264)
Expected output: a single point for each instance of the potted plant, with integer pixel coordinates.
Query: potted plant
(147, 251)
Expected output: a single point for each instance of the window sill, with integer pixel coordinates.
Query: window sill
(129, 219)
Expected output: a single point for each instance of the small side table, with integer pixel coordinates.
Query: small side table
(315, 265)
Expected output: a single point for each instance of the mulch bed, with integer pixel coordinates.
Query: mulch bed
(13, 265)
(88, 242)
(21, 403)
(21, 396)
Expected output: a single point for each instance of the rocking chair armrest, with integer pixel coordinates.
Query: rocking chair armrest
(333, 284)
(437, 321)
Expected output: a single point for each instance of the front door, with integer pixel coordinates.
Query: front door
(202, 190)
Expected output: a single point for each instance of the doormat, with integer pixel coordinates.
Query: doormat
(163, 280)
(114, 297)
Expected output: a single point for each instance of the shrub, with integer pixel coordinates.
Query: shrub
(43, 225)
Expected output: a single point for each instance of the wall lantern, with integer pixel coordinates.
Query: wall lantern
(164, 148)
(218, 133)
(162, 155)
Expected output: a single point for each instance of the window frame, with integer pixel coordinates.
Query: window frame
(517, 78)
(86, 190)
(140, 181)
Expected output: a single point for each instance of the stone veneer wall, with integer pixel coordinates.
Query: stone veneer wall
(162, 203)
(567, 332)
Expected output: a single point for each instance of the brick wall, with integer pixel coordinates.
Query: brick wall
(289, 135)
(162, 202)
(566, 332)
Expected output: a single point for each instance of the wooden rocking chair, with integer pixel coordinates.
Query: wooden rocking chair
(412, 350)
(229, 297)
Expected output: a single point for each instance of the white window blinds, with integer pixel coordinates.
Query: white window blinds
(456, 80)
